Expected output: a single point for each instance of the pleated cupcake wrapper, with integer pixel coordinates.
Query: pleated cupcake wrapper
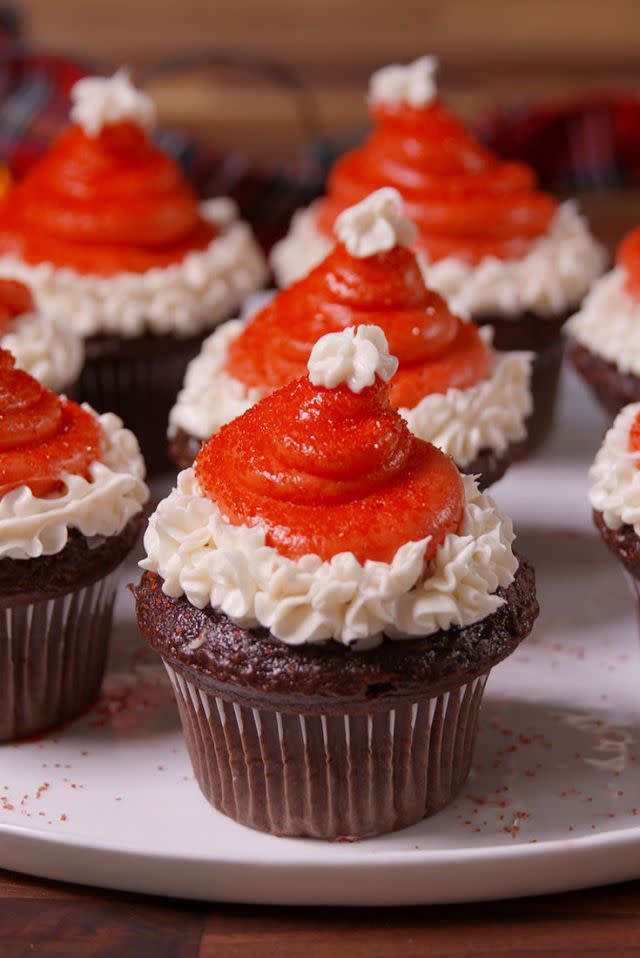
(52, 658)
(141, 390)
(546, 340)
(634, 588)
(330, 776)
(545, 382)
(545, 379)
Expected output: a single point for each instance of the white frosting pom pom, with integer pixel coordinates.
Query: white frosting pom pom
(354, 356)
(100, 101)
(411, 83)
(375, 225)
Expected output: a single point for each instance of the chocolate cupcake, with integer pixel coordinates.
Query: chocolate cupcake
(501, 252)
(615, 492)
(71, 497)
(451, 387)
(604, 343)
(49, 350)
(110, 238)
(329, 595)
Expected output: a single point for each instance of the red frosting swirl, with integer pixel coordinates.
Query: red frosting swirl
(41, 435)
(105, 204)
(326, 471)
(629, 258)
(465, 201)
(15, 300)
(435, 349)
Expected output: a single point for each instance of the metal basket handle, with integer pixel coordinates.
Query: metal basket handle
(276, 73)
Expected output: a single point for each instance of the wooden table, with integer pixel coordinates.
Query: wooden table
(64, 921)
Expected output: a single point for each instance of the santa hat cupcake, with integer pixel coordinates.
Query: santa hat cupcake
(329, 594)
(46, 348)
(605, 333)
(111, 239)
(71, 496)
(499, 250)
(451, 386)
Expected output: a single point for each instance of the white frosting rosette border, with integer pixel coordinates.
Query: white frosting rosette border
(490, 415)
(551, 278)
(183, 298)
(210, 397)
(32, 526)
(303, 248)
(202, 556)
(47, 349)
(608, 324)
(461, 422)
(614, 477)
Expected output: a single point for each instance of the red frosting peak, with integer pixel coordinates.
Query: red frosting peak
(436, 350)
(103, 204)
(41, 435)
(326, 471)
(629, 258)
(15, 300)
(465, 201)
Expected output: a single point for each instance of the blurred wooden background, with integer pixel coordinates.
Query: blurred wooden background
(491, 51)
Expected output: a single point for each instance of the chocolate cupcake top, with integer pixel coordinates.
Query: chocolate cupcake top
(608, 324)
(319, 516)
(46, 348)
(62, 467)
(493, 242)
(615, 474)
(451, 387)
(110, 237)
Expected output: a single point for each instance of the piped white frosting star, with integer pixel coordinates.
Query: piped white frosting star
(375, 225)
(100, 101)
(354, 356)
(411, 83)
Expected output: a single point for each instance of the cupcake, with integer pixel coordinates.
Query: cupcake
(451, 387)
(112, 241)
(329, 594)
(71, 497)
(48, 349)
(615, 492)
(604, 334)
(500, 251)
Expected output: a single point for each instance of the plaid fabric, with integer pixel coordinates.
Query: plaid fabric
(581, 143)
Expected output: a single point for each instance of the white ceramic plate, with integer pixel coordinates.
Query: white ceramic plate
(552, 803)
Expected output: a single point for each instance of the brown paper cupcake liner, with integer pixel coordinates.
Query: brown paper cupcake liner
(612, 388)
(333, 776)
(52, 657)
(634, 588)
(139, 381)
(545, 381)
(544, 337)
